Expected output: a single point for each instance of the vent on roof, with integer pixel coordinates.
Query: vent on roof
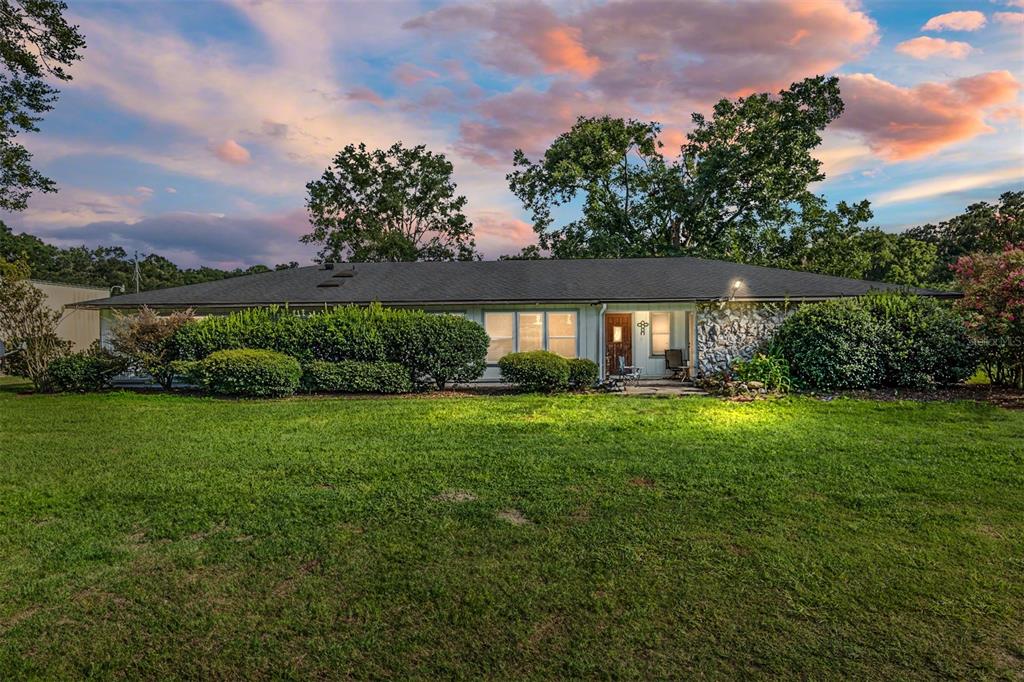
(328, 283)
(327, 266)
(346, 272)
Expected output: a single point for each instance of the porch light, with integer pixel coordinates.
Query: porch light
(735, 287)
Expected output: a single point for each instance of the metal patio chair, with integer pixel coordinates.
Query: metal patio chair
(675, 363)
(628, 373)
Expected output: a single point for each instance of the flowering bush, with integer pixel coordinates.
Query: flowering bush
(993, 288)
(146, 340)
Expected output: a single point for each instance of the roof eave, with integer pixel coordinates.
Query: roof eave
(101, 304)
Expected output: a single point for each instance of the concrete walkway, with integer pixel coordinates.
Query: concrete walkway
(662, 387)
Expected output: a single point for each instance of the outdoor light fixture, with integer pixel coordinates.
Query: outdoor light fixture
(735, 287)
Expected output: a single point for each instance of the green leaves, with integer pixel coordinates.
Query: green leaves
(983, 227)
(885, 339)
(397, 204)
(732, 193)
(613, 167)
(36, 42)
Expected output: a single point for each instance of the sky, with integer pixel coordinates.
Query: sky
(191, 128)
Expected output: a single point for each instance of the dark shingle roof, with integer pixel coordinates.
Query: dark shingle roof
(637, 279)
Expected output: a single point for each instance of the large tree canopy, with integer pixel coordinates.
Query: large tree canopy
(982, 228)
(734, 191)
(611, 166)
(396, 204)
(746, 170)
(36, 43)
(835, 242)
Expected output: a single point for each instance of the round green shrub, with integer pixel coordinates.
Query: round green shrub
(354, 376)
(921, 341)
(583, 373)
(886, 339)
(249, 373)
(537, 370)
(831, 345)
(437, 349)
(89, 370)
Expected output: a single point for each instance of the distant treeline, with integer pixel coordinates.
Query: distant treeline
(108, 266)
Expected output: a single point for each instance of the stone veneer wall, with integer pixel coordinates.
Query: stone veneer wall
(728, 331)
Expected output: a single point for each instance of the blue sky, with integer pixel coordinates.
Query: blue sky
(191, 128)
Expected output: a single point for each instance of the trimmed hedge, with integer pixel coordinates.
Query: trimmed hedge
(354, 376)
(923, 341)
(248, 373)
(583, 373)
(537, 370)
(435, 349)
(886, 339)
(89, 370)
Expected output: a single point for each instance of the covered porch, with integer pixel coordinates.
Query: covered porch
(637, 337)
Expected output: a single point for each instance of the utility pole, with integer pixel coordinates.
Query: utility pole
(137, 276)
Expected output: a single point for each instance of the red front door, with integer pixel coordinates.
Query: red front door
(618, 340)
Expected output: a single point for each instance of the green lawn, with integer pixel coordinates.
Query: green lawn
(163, 536)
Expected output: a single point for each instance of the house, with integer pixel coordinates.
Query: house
(604, 310)
(80, 326)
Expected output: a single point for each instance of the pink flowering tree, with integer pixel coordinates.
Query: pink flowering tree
(993, 288)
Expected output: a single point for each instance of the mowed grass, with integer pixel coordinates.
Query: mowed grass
(165, 536)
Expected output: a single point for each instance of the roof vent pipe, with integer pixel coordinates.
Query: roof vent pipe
(328, 266)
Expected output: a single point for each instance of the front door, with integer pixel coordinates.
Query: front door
(618, 340)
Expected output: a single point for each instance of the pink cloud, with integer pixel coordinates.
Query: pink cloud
(527, 119)
(410, 74)
(905, 123)
(499, 233)
(650, 49)
(559, 50)
(672, 139)
(955, 21)
(361, 94)
(456, 70)
(1010, 18)
(926, 48)
(630, 58)
(230, 151)
(518, 37)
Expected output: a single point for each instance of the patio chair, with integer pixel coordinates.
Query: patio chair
(628, 373)
(675, 363)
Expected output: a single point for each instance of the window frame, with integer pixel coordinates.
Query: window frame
(668, 344)
(575, 330)
(514, 337)
(544, 328)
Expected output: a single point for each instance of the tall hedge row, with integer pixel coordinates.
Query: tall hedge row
(435, 349)
(878, 340)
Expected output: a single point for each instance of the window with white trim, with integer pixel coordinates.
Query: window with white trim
(562, 334)
(501, 328)
(526, 331)
(531, 332)
(661, 332)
